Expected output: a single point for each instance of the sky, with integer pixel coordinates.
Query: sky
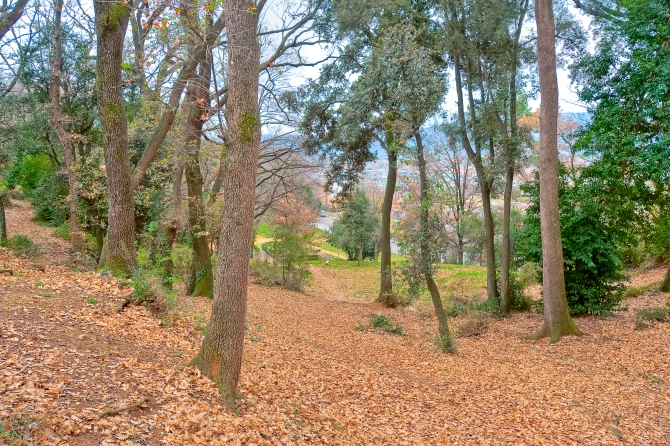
(568, 99)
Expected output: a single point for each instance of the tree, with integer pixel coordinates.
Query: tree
(625, 82)
(557, 320)
(10, 14)
(292, 234)
(425, 256)
(351, 232)
(63, 137)
(390, 45)
(220, 356)
(111, 21)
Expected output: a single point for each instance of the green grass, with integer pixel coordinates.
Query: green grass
(332, 249)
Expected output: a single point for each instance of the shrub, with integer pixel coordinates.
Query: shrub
(519, 301)
(456, 309)
(594, 274)
(267, 273)
(379, 322)
(63, 231)
(48, 200)
(657, 314)
(529, 274)
(22, 245)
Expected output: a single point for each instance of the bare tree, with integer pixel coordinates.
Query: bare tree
(10, 14)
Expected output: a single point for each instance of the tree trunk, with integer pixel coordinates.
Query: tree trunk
(506, 243)
(10, 18)
(557, 320)
(111, 19)
(220, 356)
(386, 285)
(360, 255)
(446, 345)
(201, 282)
(491, 285)
(460, 248)
(665, 285)
(63, 137)
(3, 218)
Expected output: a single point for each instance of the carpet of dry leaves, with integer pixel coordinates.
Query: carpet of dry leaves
(308, 376)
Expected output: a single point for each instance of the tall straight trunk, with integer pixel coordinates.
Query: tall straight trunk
(446, 344)
(111, 21)
(63, 137)
(484, 183)
(386, 285)
(489, 225)
(201, 282)
(510, 155)
(220, 356)
(665, 285)
(460, 248)
(557, 320)
(360, 255)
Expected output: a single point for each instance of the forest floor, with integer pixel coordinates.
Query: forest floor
(69, 361)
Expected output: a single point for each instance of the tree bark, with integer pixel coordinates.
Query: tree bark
(360, 255)
(386, 285)
(446, 344)
(201, 282)
(665, 285)
(68, 151)
(3, 218)
(11, 17)
(557, 320)
(220, 356)
(111, 21)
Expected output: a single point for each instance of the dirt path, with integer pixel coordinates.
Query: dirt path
(67, 356)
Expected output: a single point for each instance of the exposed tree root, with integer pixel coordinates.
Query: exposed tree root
(123, 408)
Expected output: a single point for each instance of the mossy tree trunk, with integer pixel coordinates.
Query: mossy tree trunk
(111, 21)
(63, 137)
(3, 220)
(665, 285)
(557, 320)
(446, 345)
(196, 105)
(220, 356)
(386, 284)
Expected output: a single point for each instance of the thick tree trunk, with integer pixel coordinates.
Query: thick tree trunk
(220, 356)
(172, 228)
(68, 151)
(201, 282)
(665, 285)
(557, 320)
(111, 19)
(386, 285)
(446, 345)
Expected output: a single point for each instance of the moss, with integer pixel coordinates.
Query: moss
(112, 111)
(117, 266)
(116, 14)
(204, 287)
(248, 125)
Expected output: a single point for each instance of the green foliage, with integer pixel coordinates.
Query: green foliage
(92, 300)
(379, 322)
(48, 200)
(353, 231)
(22, 245)
(652, 314)
(456, 309)
(62, 231)
(408, 284)
(593, 271)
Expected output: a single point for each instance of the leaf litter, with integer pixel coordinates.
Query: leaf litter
(308, 376)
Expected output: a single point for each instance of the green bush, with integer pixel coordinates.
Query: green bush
(22, 245)
(657, 314)
(379, 322)
(529, 274)
(48, 200)
(594, 273)
(267, 273)
(456, 309)
(519, 301)
(62, 231)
